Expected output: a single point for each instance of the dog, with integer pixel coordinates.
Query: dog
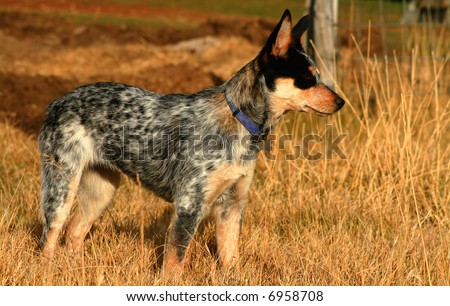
(196, 151)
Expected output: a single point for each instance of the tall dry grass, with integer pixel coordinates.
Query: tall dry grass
(379, 217)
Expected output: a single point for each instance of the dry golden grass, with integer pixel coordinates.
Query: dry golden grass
(379, 217)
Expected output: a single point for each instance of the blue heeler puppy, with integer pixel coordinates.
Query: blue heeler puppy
(197, 151)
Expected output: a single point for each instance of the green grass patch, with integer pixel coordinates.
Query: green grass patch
(121, 21)
(366, 9)
(132, 22)
(270, 9)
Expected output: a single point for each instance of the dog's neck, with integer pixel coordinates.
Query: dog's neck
(248, 91)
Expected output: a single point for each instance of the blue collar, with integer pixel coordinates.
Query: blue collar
(257, 133)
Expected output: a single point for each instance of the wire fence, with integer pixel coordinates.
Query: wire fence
(390, 36)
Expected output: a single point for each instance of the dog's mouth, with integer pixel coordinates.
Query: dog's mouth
(312, 110)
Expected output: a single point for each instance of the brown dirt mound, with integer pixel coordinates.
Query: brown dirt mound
(44, 56)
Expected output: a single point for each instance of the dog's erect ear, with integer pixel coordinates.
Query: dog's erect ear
(281, 38)
(300, 28)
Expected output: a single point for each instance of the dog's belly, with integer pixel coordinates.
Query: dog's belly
(156, 164)
(153, 175)
(159, 161)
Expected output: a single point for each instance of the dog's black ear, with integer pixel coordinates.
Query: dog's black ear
(280, 40)
(300, 28)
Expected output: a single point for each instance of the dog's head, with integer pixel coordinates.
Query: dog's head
(291, 75)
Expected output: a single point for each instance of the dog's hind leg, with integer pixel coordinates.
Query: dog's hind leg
(96, 190)
(59, 187)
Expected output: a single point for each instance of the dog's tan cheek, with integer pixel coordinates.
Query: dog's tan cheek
(286, 96)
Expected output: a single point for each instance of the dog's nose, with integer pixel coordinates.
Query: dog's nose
(340, 102)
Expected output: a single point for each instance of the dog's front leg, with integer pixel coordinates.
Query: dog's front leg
(182, 229)
(228, 219)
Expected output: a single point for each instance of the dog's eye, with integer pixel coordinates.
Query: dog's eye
(311, 73)
(308, 76)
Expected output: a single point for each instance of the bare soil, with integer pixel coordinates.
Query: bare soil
(43, 55)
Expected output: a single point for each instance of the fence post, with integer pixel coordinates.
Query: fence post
(323, 32)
